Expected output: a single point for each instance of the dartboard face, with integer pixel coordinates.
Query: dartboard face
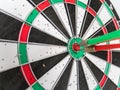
(42, 45)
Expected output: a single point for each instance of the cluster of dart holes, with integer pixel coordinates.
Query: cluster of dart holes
(48, 26)
(79, 16)
(48, 53)
(61, 10)
(3, 59)
(16, 9)
(73, 82)
(51, 82)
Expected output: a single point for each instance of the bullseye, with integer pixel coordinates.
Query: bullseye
(76, 47)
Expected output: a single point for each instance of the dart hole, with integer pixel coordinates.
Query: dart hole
(1, 67)
(44, 65)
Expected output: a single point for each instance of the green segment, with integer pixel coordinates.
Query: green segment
(107, 68)
(77, 40)
(37, 86)
(81, 4)
(23, 53)
(108, 8)
(97, 88)
(106, 37)
(32, 16)
(99, 21)
(75, 54)
(55, 1)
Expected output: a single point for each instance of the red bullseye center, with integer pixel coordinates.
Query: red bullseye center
(76, 47)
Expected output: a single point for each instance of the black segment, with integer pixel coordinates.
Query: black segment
(84, 19)
(116, 58)
(82, 80)
(78, 75)
(9, 27)
(97, 72)
(41, 67)
(36, 1)
(51, 14)
(115, 13)
(63, 82)
(31, 2)
(12, 80)
(109, 85)
(102, 55)
(88, 18)
(95, 5)
(88, 21)
(110, 27)
(40, 37)
(97, 34)
(70, 8)
(113, 9)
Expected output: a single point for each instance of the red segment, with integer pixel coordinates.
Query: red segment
(102, 82)
(28, 75)
(104, 30)
(118, 89)
(91, 11)
(115, 23)
(109, 56)
(42, 6)
(102, 1)
(24, 33)
(76, 47)
(70, 1)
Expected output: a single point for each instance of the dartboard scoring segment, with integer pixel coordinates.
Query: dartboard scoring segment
(74, 48)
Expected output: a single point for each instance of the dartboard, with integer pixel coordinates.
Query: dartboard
(59, 45)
